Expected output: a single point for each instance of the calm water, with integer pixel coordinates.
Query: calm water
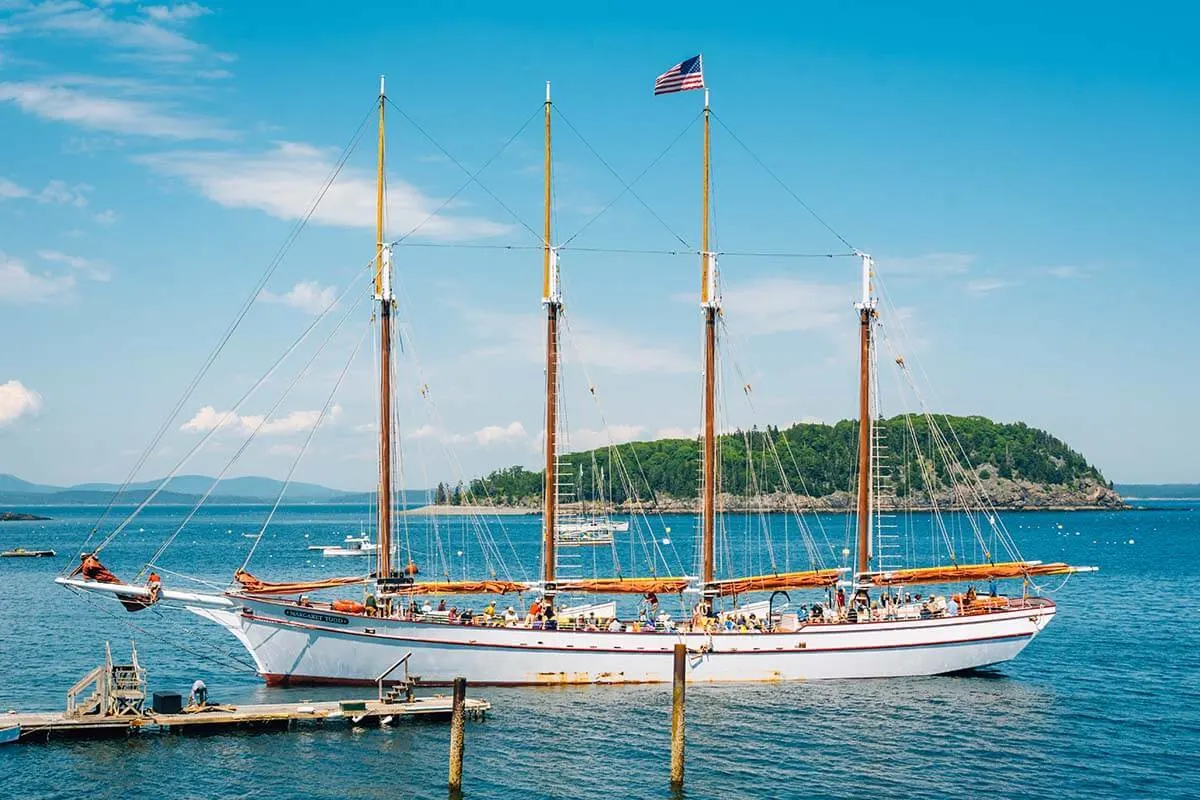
(1106, 703)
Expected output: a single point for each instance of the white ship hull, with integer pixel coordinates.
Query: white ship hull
(301, 645)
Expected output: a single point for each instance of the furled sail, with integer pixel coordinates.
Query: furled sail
(252, 585)
(461, 587)
(955, 573)
(625, 585)
(810, 579)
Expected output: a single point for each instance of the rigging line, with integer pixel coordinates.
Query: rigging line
(482, 526)
(655, 554)
(471, 177)
(629, 251)
(206, 656)
(468, 246)
(224, 420)
(272, 266)
(254, 433)
(807, 539)
(304, 448)
(628, 186)
(779, 180)
(748, 254)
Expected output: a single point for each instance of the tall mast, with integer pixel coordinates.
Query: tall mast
(866, 318)
(552, 300)
(383, 293)
(710, 302)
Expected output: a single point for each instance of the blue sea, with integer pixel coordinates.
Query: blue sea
(1105, 703)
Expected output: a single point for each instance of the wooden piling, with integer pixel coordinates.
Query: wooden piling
(458, 714)
(677, 697)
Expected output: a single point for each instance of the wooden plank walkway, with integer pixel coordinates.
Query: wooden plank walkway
(48, 726)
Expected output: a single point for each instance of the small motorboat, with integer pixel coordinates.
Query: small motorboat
(353, 546)
(10, 734)
(21, 552)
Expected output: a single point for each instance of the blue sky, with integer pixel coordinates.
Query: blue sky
(1026, 178)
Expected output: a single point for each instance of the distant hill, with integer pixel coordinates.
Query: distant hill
(1021, 466)
(250, 486)
(11, 483)
(1160, 491)
(185, 490)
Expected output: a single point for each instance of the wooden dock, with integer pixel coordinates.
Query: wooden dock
(41, 727)
(110, 702)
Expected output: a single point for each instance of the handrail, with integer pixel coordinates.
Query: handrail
(390, 670)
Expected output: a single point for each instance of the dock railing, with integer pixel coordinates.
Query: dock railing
(406, 683)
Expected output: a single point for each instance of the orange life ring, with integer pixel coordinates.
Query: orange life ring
(349, 606)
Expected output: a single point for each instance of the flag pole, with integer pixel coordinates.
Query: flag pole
(709, 305)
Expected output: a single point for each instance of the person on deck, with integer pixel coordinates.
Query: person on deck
(199, 694)
(371, 604)
(510, 616)
(154, 586)
(489, 610)
(615, 626)
(441, 605)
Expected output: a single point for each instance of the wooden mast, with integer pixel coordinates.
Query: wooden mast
(710, 303)
(866, 318)
(552, 300)
(383, 293)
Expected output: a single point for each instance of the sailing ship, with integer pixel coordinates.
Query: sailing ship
(867, 632)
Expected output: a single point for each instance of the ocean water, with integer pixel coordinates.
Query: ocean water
(1105, 703)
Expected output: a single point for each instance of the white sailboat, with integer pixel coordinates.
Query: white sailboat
(296, 641)
(593, 526)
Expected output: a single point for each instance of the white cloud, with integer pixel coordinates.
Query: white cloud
(928, 265)
(495, 434)
(106, 217)
(672, 432)
(208, 418)
(57, 100)
(60, 194)
(1067, 271)
(177, 13)
(140, 35)
(423, 432)
(16, 400)
(986, 285)
(94, 269)
(588, 439)
(56, 192)
(308, 296)
(520, 337)
(12, 191)
(785, 305)
(18, 284)
(283, 181)
(284, 450)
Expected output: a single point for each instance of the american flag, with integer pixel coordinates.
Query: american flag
(688, 74)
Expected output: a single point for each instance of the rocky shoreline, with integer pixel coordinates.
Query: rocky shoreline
(1001, 494)
(17, 516)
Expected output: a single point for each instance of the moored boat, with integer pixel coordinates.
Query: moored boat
(21, 552)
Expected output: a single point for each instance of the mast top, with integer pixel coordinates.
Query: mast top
(547, 91)
(706, 98)
(381, 91)
(868, 301)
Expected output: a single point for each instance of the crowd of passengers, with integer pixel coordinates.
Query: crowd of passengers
(888, 605)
